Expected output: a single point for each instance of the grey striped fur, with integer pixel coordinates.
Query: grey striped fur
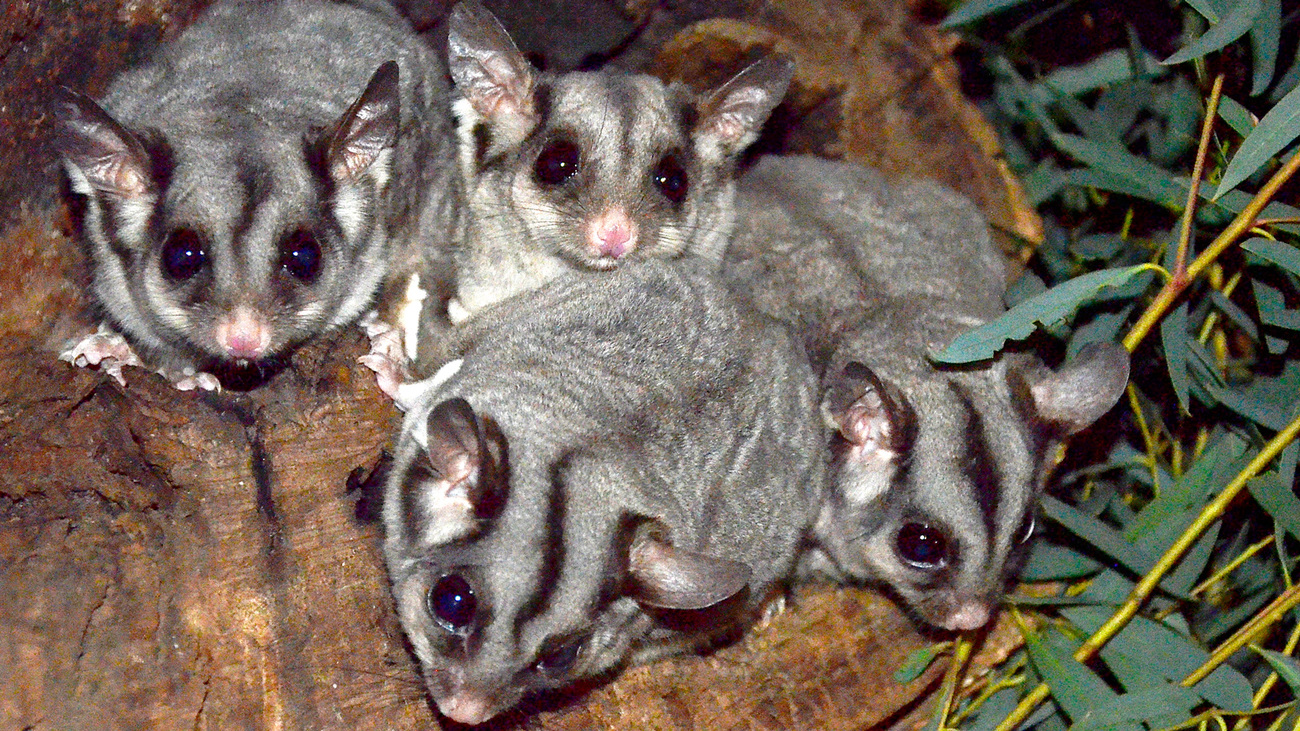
(243, 130)
(522, 231)
(635, 477)
(941, 464)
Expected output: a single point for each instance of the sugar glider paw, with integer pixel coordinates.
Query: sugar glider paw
(387, 357)
(104, 349)
(191, 381)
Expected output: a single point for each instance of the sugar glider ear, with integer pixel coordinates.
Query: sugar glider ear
(665, 577)
(102, 155)
(489, 71)
(367, 129)
(731, 117)
(1083, 389)
(461, 479)
(859, 406)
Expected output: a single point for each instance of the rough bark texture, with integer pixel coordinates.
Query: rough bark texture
(172, 560)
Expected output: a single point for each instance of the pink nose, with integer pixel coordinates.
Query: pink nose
(971, 615)
(466, 707)
(612, 233)
(244, 334)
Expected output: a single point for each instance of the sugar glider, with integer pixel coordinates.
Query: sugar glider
(257, 181)
(623, 464)
(936, 470)
(588, 170)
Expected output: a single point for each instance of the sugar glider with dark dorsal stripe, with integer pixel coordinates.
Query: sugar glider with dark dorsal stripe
(936, 470)
(589, 170)
(623, 464)
(257, 181)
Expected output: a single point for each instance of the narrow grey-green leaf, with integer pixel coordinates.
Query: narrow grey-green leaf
(1108, 68)
(1160, 183)
(1235, 314)
(1279, 128)
(1287, 669)
(1271, 304)
(1049, 561)
(1235, 23)
(1050, 307)
(1275, 252)
(973, 10)
(1174, 335)
(1099, 535)
(1237, 116)
(1165, 699)
(1265, 37)
(1073, 685)
(1206, 9)
(1278, 500)
(918, 661)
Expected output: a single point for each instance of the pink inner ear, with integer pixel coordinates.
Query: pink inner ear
(866, 424)
(460, 469)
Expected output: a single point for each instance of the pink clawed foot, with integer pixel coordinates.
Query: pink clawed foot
(110, 352)
(386, 357)
(104, 349)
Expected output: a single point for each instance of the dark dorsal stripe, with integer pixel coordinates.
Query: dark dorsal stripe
(980, 467)
(552, 549)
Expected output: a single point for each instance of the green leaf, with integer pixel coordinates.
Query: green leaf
(1275, 131)
(1278, 500)
(918, 661)
(1271, 304)
(1048, 308)
(973, 10)
(1049, 561)
(1160, 185)
(1236, 23)
(1234, 313)
(1164, 700)
(1076, 688)
(1207, 9)
(1167, 654)
(1174, 336)
(1265, 37)
(1236, 116)
(1275, 252)
(1108, 68)
(1287, 668)
(1099, 535)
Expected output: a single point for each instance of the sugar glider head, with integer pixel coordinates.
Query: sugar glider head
(221, 241)
(935, 482)
(597, 168)
(513, 576)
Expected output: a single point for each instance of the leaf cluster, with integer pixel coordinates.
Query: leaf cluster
(1172, 547)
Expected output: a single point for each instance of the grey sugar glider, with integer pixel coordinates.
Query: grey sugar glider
(622, 465)
(257, 180)
(589, 169)
(935, 470)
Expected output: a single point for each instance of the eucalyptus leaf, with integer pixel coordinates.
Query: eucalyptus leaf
(1234, 24)
(1237, 116)
(973, 10)
(919, 660)
(1278, 500)
(1048, 561)
(1275, 252)
(1098, 535)
(1174, 337)
(1279, 128)
(1101, 71)
(1076, 688)
(1235, 314)
(1265, 37)
(1287, 668)
(1271, 304)
(1050, 307)
(1162, 701)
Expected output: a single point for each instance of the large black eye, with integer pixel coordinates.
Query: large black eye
(670, 178)
(300, 255)
(183, 255)
(559, 659)
(452, 602)
(557, 163)
(922, 545)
